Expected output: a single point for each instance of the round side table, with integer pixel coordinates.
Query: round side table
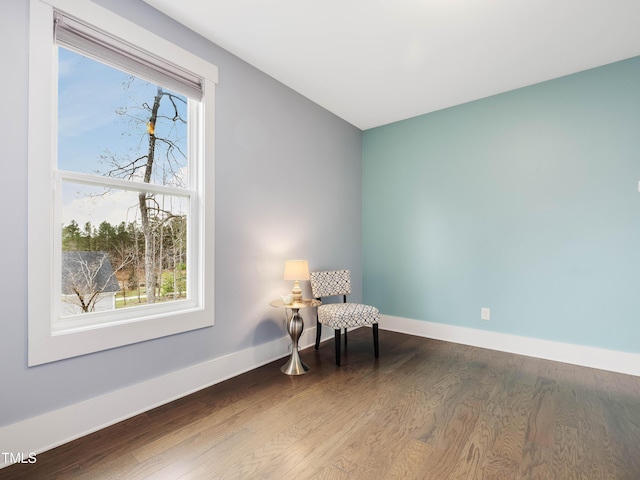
(295, 326)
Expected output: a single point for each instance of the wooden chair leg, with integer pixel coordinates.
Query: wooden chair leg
(318, 333)
(375, 339)
(345, 338)
(337, 341)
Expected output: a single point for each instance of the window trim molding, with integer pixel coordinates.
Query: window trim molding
(45, 345)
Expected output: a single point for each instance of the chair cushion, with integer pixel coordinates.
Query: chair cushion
(343, 315)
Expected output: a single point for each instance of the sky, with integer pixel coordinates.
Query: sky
(100, 116)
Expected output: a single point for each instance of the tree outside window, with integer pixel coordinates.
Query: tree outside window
(115, 125)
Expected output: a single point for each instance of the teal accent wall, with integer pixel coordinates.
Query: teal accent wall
(526, 202)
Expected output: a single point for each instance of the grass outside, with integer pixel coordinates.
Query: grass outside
(130, 298)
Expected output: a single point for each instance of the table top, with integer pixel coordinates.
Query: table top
(305, 303)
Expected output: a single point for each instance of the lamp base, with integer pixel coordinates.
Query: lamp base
(296, 292)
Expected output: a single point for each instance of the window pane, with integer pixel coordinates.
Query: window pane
(111, 256)
(114, 124)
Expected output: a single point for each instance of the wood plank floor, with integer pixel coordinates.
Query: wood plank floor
(425, 409)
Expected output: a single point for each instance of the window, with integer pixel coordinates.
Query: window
(120, 183)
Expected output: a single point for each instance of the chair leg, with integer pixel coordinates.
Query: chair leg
(345, 338)
(375, 339)
(337, 341)
(318, 333)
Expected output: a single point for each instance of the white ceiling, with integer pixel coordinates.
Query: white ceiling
(373, 62)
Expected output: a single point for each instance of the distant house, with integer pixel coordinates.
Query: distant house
(89, 283)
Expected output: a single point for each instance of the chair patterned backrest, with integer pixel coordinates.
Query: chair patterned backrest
(326, 284)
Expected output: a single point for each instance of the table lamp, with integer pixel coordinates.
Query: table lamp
(296, 270)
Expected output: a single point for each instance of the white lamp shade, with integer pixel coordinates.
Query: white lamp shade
(296, 270)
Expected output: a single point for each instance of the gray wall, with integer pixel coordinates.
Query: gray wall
(275, 153)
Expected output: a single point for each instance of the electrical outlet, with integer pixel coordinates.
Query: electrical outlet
(485, 313)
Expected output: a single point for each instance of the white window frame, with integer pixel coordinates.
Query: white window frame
(75, 336)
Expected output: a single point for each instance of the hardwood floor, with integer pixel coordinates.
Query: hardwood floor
(425, 409)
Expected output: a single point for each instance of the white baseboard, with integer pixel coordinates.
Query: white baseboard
(51, 429)
(600, 358)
